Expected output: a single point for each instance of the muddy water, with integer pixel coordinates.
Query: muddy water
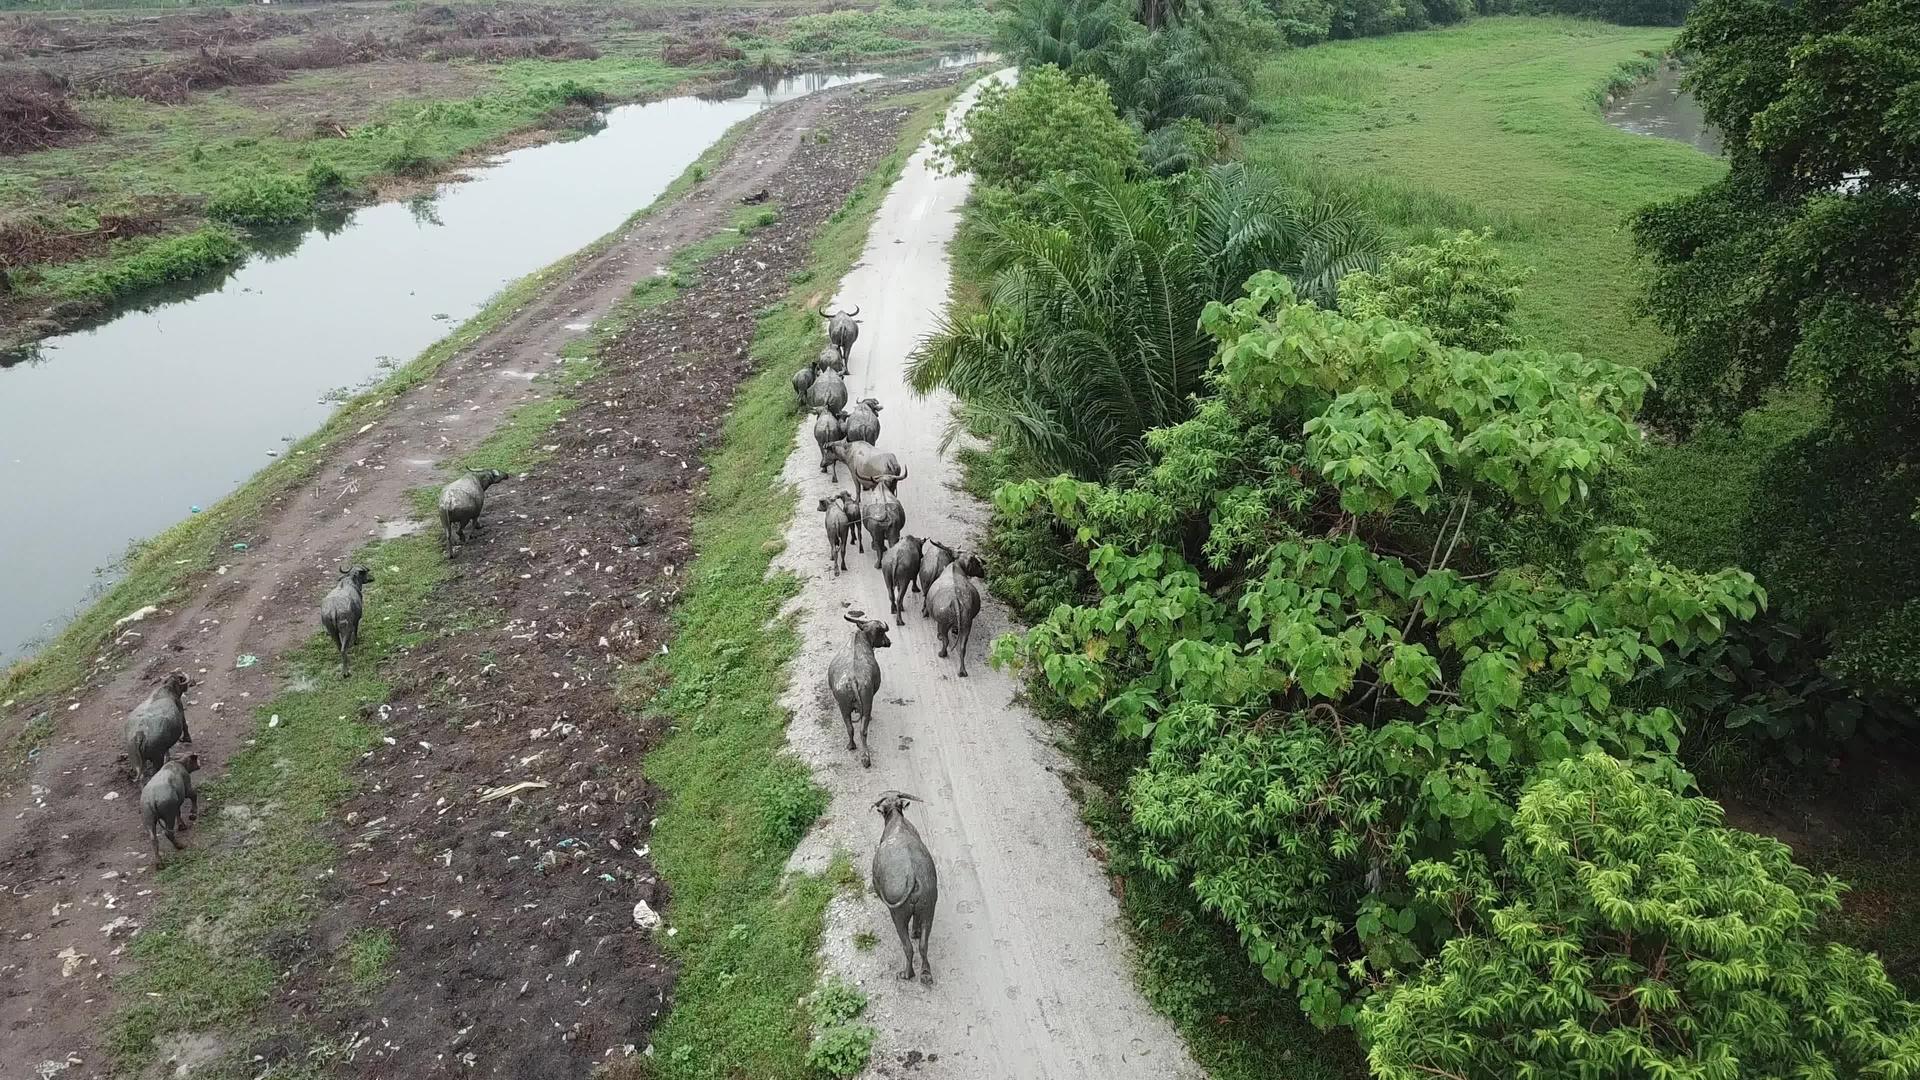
(115, 433)
(1661, 108)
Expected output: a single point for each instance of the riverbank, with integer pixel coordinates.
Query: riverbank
(456, 666)
(312, 110)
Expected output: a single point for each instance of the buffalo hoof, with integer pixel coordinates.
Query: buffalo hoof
(926, 978)
(866, 761)
(963, 673)
(906, 975)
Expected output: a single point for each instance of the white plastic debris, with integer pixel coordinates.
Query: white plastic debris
(644, 916)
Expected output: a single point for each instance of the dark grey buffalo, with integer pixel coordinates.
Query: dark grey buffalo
(842, 331)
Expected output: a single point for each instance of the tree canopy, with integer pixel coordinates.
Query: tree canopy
(1800, 272)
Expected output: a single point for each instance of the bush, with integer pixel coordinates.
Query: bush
(1050, 123)
(175, 258)
(257, 199)
(1090, 335)
(840, 1047)
(1334, 684)
(1626, 12)
(324, 178)
(1462, 291)
(1182, 146)
(1638, 937)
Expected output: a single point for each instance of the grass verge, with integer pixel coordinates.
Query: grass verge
(159, 570)
(737, 803)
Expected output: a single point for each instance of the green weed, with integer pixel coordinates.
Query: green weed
(145, 263)
(255, 199)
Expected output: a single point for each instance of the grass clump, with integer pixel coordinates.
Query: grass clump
(840, 1047)
(263, 200)
(735, 802)
(144, 264)
(368, 956)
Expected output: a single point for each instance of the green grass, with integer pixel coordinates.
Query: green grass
(368, 957)
(145, 263)
(736, 801)
(1493, 123)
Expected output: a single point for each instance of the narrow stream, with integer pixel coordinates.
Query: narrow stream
(1660, 107)
(114, 433)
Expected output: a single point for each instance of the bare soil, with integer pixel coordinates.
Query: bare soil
(542, 972)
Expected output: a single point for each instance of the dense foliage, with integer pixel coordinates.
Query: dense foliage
(1461, 290)
(1309, 22)
(1297, 605)
(1801, 269)
(257, 199)
(1638, 936)
(1627, 12)
(1016, 137)
(1089, 333)
(1187, 62)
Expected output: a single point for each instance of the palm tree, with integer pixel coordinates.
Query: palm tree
(1089, 333)
(1158, 78)
(1063, 33)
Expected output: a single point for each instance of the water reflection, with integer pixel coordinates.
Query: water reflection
(1662, 108)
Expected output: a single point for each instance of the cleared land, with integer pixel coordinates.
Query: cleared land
(139, 147)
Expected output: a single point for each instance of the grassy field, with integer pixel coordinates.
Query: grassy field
(1492, 124)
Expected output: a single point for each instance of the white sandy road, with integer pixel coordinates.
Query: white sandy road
(1031, 965)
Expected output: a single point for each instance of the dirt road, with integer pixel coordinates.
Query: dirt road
(73, 863)
(1030, 961)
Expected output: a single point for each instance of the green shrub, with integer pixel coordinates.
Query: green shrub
(841, 1051)
(324, 178)
(789, 805)
(175, 258)
(1635, 935)
(1462, 291)
(1334, 683)
(840, 1047)
(1050, 123)
(1090, 336)
(836, 1002)
(257, 199)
